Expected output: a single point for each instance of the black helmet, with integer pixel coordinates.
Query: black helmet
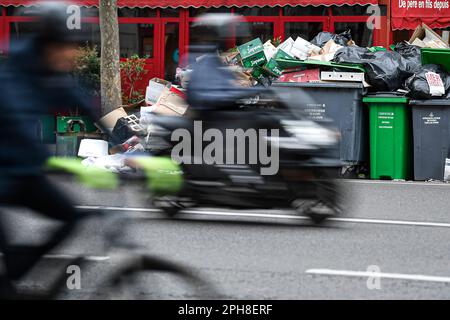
(217, 28)
(57, 22)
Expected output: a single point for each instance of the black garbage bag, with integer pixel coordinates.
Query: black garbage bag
(385, 70)
(123, 131)
(418, 86)
(323, 37)
(411, 55)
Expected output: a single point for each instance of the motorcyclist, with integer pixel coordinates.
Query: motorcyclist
(212, 86)
(35, 81)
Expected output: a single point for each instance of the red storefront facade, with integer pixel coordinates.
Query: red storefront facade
(160, 29)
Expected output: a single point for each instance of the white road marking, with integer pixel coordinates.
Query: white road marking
(401, 276)
(397, 182)
(70, 256)
(277, 215)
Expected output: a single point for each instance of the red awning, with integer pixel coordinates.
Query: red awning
(408, 14)
(205, 3)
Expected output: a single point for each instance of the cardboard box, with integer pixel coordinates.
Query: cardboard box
(110, 120)
(302, 49)
(342, 76)
(269, 50)
(258, 73)
(281, 54)
(155, 89)
(328, 51)
(229, 57)
(287, 45)
(171, 104)
(273, 68)
(310, 75)
(252, 53)
(425, 37)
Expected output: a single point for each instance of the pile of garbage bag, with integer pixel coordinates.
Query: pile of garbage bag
(342, 39)
(430, 82)
(385, 70)
(328, 57)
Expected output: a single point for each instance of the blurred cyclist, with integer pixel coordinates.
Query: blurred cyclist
(35, 81)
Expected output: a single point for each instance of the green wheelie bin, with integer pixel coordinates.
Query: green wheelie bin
(390, 136)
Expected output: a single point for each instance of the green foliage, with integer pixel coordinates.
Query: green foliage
(133, 71)
(276, 41)
(87, 69)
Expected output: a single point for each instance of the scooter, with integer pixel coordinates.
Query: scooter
(306, 153)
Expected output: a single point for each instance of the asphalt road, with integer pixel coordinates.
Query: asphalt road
(399, 230)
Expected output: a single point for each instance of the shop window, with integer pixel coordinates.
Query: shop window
(362, 35)
(169, 13)
(172, 52)
(195, 12)
(137, 12)
(89, 12)
(136, 39)
(194, 37)
(92, 31)
(257, 11)
(197, 37)
(262, 30)
(20, 11)
(401, 35)
(347, 10)
(306, 30)
(305, 11)
(21, 30)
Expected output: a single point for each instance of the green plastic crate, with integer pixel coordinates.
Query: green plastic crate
(273, 68)
(390, 137)
(436, 56)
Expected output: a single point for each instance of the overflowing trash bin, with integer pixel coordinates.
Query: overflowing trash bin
(340, 102)
(390, 136)
(431, 132)
(328, 77)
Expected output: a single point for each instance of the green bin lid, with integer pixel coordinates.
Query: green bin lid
(436, 56)
(385, 98)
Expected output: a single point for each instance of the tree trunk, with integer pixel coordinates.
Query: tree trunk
(110, 56)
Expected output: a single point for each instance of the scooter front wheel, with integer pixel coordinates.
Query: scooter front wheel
(171, 206)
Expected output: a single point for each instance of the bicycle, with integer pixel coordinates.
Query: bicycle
(128, 263)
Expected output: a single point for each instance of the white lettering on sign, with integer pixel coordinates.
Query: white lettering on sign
(423, 4)
(385, 120)
(435, 83)
(431, 119)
